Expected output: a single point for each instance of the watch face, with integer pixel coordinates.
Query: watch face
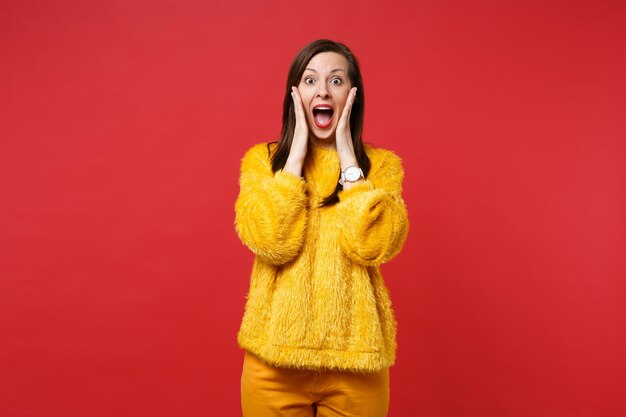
(352, 174)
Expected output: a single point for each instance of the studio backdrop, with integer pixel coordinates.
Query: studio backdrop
(122, 128)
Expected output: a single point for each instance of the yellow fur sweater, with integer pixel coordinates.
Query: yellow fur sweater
(317, 299)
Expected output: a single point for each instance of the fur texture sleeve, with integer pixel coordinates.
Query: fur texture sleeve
(271, 209)
(373, 216)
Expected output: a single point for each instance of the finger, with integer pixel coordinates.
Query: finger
(298, 103)
(297, 95)
(295, 103)
(347, 110)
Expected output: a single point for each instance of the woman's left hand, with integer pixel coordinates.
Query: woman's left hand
(343, 137)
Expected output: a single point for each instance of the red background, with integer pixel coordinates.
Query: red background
(122, 126)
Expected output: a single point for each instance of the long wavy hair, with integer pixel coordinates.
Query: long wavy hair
(281, 153)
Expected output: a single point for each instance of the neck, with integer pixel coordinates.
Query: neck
(323, 143)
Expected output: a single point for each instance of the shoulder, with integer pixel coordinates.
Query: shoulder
(258, 155)
(381, 158)
(260, 150)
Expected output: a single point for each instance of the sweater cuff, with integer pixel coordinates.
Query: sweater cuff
(287, 180)
(356, 189)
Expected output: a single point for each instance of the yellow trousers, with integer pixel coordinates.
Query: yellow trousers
(270, 391)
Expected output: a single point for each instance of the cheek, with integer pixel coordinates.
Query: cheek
(343, 98)
(305, 96)
(306, 103)
(341, 104)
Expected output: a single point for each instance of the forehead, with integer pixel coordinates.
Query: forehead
(328, 61)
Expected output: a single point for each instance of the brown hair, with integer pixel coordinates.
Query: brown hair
(279, 157)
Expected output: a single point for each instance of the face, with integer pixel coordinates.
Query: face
(324, 89)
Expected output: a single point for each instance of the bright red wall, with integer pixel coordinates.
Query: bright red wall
(122, 125)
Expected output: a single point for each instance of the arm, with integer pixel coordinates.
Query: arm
(271, 209)
(372, 215)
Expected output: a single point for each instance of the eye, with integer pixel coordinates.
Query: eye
(336, 81)
(309, 80)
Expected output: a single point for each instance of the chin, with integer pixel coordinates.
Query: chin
(327, 136)
(323, 135)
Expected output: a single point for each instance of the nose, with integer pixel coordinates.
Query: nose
(322, 91)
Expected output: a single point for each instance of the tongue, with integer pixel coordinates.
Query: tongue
(323, 117)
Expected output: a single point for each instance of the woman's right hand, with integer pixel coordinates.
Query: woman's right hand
(298, 150)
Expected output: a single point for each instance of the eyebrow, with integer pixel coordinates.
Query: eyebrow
(335, 70)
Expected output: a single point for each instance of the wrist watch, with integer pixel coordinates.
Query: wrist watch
(351, 174)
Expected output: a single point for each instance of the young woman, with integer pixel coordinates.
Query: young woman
(321, 211)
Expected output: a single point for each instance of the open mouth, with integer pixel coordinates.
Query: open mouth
(323, 115)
